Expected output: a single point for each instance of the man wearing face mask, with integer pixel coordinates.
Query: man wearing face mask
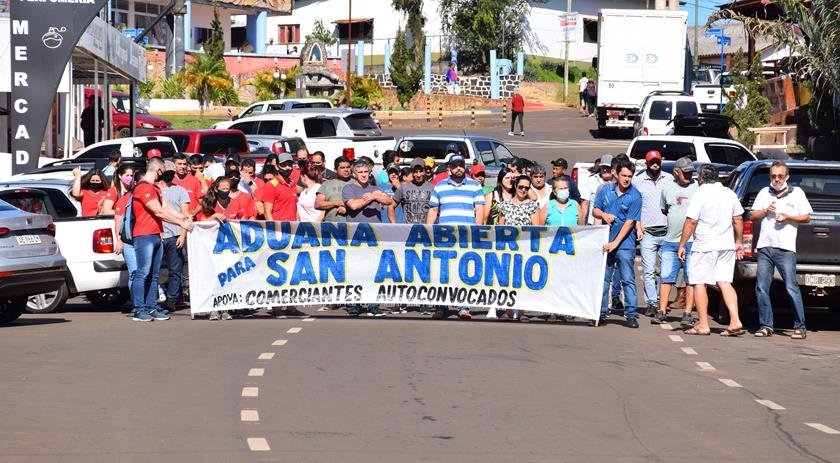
(243, 201)
(149, 215)
(653, 226)
(283, 205)
(174, 237)
(780, 208)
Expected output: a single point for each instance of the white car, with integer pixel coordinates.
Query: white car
(284, 105)
(659, 108)
(701, 149)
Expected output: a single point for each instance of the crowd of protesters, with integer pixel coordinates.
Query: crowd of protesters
(688, 229)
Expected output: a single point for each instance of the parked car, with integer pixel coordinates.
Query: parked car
(121, 115)
(818, 257)
(284, 105)
(133, 147)
(87, 244)
(659, 109)
(702, 149)
(30, 259)
(260, 146)
(207, 141)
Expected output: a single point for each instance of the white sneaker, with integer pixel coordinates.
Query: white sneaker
(521, 134)
(510, 134)
(161, 295)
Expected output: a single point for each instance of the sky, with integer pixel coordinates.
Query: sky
(706, 8)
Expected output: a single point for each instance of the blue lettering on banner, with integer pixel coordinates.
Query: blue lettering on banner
(479, 234)
(303, 271)
(275, 264)
(444, 236)
(535, 234)
(334, 231)
(236, 270)
(274, 242)
(226, 240)
(422, 266)
(306, 234)
(445, 257)
(540, 264)
(467, 277)
(498, 267)
(564, 240)
(253, 236)
(418, 234)
(328, 265)
(506, 237)
(364, 235)
(388, 268)
(517, 271)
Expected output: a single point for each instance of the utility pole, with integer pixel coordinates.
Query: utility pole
(566, 52)
(349, 44)
(696, 30)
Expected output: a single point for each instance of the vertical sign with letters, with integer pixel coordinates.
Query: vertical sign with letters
(43, 35)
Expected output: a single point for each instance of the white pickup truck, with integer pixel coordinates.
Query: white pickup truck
(335, 132)
(86, 242)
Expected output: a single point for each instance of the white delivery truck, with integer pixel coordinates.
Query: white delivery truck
(639, 52)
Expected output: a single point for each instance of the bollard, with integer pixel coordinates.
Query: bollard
(472, 115)
(504, 112)
(390, 116)
(428, 110)
(440, 114)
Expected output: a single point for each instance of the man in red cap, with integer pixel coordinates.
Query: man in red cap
(153, 153)
(479, 174)
(653, 226)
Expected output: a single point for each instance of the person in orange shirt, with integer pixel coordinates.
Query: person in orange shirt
(186, 180)
(92, 189)
(283, 204)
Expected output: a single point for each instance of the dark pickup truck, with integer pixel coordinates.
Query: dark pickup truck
(818, 256)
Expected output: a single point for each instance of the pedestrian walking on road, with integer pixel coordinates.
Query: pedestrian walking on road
(781, 208)
(653, 226)
(174, 237)
(517, 111)
(582, 92)
(619, 205)
(591, 97)
(714, 220)
(674, 204)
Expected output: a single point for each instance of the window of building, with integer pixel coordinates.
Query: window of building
(201, 35)
(362, 30)
(590, 30)
(288, 33)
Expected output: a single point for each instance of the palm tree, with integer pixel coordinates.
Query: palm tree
(203, 75)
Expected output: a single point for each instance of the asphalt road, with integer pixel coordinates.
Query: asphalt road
(87, 386)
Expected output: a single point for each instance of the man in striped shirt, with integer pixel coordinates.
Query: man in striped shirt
(456, 200)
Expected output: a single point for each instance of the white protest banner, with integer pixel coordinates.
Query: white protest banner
(251, 264)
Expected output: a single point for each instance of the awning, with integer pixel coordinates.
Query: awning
(353, 21)
(273, 6)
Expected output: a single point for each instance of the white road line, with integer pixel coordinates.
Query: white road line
(250, 392)
(266, 356)
(279, 342)
(675, 338)
(258, 444)
(729, 382)
(249, 415)
(706, 366)
(688, 350)
(310, 319)
(256, 372)
(294, 330)
(823, 428)
(666, 326)
(770, 404)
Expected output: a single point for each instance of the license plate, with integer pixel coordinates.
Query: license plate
(820, 280)
(28, 239)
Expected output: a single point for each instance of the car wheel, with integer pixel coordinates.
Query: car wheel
(11, 308)
(47, 302)
(108, 298)
(125, 132)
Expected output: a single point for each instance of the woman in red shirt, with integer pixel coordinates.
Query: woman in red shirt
(123, 183)
(92, 189)
(218, 203)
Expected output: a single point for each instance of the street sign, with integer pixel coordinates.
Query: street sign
(568, 26)
(724, 40)
(714, 32)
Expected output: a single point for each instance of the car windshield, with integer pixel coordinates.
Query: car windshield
(434, 148)
(660, 110)
(4, 206)
(821, 186)
(28, 201)
(361, 121)
(122, 104)
(671, 150)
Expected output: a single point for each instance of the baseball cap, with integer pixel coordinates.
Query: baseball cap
(606, 160)
(153, 153)
(477, 169)
(429, 161)
(455, 159)
(393, 167)
(653, 155)
(277, 147)
(560, 162)
(418, 162)
(684, 164)
(452, 148)
(284, 157)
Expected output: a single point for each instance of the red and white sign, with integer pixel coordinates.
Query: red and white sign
(569, 26)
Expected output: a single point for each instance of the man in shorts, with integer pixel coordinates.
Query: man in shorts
(714, 220)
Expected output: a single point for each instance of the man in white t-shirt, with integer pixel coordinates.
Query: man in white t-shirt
(780, 208)
(589, 188)
(582, 90)
(714, 220)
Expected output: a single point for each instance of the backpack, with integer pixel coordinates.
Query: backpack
(127, 224)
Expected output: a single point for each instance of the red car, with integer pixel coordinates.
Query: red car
(207, 141)
(121, 116)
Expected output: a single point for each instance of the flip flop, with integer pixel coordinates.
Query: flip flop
(733, 333)
(697, 332)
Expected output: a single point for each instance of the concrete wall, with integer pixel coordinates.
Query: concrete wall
(470, 85)
(202, 16)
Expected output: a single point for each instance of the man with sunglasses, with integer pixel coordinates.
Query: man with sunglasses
(780, 208)
(456, 200)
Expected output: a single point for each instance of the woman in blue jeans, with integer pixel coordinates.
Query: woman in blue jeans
(123, 184)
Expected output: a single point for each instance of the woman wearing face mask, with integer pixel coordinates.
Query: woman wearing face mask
(561, 211)
(123, 185)
(92, 189)
(503, 192)
(218, 204)
(520, 211)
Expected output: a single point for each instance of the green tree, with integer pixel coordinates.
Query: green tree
(749, 108)
(215, 44)
(270, 87)
(405, 72)
(477, 26)
(204, 76)
(413, 9)
(320, 33)
(812, 32)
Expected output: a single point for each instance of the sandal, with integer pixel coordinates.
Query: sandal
(733, 333)
(697, 332)
(799, 334)
(764, 332)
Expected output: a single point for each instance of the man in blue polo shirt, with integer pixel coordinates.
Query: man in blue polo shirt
(620, 206)
(456, 200)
